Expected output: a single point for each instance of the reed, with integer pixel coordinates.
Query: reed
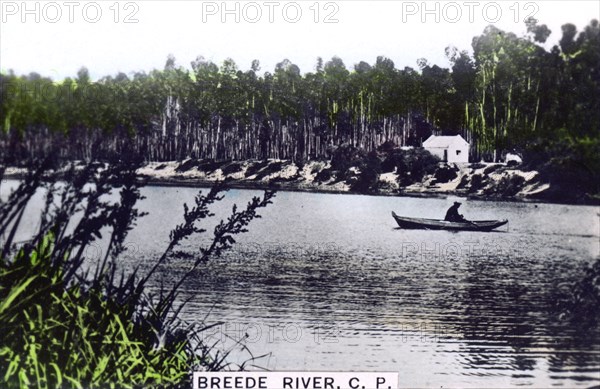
(69, 323)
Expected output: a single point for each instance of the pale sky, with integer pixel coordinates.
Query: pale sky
(359, 31)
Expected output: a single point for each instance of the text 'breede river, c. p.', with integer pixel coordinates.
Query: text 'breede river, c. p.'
(296, 380)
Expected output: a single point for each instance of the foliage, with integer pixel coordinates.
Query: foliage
(571, 165)
(68, 321)
(256, 167)
(323, 175)
(271, 168)
(344, 157)
(476, 166)
(511, 93)
(508, 186)
(367, 180)
(445, 174)
(231, 168)
(578, 301)
(477, 182)
(186, 166)
(411, 165)
(209, 166)
(491, 169)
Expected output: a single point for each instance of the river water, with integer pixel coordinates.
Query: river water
(327, 282)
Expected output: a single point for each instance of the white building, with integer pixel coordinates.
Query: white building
(512, 157)
(452, 149)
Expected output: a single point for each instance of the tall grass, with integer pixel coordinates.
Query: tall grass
(68, 323)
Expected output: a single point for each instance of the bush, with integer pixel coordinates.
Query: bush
(255, 167)
(477, 183)
(387, 147)
(570, 165)
(231, 168)
(464, 181)
(208, 166)
(300, 163)
(69, 323)
(368, 178)
(271, 168)
(445, 174)
(490, 169)
(477, 165)
(344, 157)
(186, 166)
(508, 186)
(389, 163)
(410, 165)
(324, 175)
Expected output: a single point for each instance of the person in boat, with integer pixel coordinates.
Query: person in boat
(452, 214)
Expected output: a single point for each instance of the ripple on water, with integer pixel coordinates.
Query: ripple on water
(470, 309)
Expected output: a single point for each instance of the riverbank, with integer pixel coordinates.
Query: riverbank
(482, 181)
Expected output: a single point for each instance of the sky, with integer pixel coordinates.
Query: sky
(57, 38)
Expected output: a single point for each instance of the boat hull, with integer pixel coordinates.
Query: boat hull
(432, 224)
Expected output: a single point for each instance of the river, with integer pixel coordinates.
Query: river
(327, 282)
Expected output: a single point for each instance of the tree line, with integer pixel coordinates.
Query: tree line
(510, 94)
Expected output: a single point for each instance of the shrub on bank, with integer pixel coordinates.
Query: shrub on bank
(508, 186)
(477, 182)
(231, 168)
(361, 170)
(345, 157)
(445, 174)
(412, 165)
(367, 180)
(323, 175)
(255, 167)
(571, 166)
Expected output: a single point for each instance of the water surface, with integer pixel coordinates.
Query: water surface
(327, 282)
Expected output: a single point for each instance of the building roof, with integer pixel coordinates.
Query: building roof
(443, 142)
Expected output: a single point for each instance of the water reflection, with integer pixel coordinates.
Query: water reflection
(493, 316)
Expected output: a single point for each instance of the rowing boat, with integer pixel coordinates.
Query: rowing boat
(433, 224)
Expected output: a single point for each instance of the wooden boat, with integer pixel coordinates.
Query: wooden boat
(433, 224)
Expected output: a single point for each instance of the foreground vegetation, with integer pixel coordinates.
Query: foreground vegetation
(68, 321)
(579, 301)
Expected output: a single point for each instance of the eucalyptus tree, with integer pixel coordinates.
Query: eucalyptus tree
(509, 94)
(508, 99)
(336, 99)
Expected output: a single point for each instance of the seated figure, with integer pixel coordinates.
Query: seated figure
(452, 214)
